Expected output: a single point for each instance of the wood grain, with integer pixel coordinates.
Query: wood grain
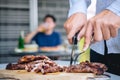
(24, 75)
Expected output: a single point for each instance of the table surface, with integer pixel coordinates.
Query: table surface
(58, 53)
(65, 63)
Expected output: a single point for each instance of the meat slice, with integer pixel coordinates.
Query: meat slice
(53, 69)
(15, 66)
(36, 64)
(30, 58)
(87, 67)
(45, 66)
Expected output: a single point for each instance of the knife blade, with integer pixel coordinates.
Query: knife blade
(74, 42)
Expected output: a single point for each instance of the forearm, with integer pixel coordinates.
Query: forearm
(78, 6)
(115, 7)
(29, 37)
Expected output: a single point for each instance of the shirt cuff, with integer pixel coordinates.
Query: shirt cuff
(115, 7)
(77, 6)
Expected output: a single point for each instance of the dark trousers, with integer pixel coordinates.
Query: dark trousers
(112, 61)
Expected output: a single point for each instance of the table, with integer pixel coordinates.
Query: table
(57, 53)
(13, 56)
(65, 63)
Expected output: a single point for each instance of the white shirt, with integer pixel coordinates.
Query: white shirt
(113, 5)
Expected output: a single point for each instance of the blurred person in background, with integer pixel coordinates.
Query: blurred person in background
(45, 36)
(103, 28)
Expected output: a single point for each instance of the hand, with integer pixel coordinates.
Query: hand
(76, 22)
(104, 26)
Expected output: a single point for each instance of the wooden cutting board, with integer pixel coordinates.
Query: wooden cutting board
(24, 75)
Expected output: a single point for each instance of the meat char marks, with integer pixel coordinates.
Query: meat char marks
(87, 67)
(43, 64)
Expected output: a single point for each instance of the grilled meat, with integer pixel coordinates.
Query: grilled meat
(87, 67)
(30, 58)
(44, 65)
(15, 66)
(36, 64)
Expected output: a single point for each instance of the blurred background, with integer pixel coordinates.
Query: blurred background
(25, 15)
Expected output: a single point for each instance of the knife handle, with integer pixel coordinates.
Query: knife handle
(74, 39)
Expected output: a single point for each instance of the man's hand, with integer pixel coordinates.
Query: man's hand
(104, 26)
(76, 22)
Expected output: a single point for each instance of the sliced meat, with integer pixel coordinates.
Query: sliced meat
(87, 67)
(30, 58)
(15, 66)
(26, 59)
(44, 65)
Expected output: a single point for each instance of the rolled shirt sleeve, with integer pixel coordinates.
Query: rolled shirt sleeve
(77, 6)
(115, 7)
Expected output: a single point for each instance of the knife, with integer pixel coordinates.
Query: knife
(74, 43)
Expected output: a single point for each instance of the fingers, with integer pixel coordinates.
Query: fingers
(102, 25)
(74, 30)
(97, 32)
(67, 26)
(102, 31)
(82, 32)
(74, 24)
(105, 32)
(113, 31)
(88, 35)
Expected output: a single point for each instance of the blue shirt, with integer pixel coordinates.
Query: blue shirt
(44, 40)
